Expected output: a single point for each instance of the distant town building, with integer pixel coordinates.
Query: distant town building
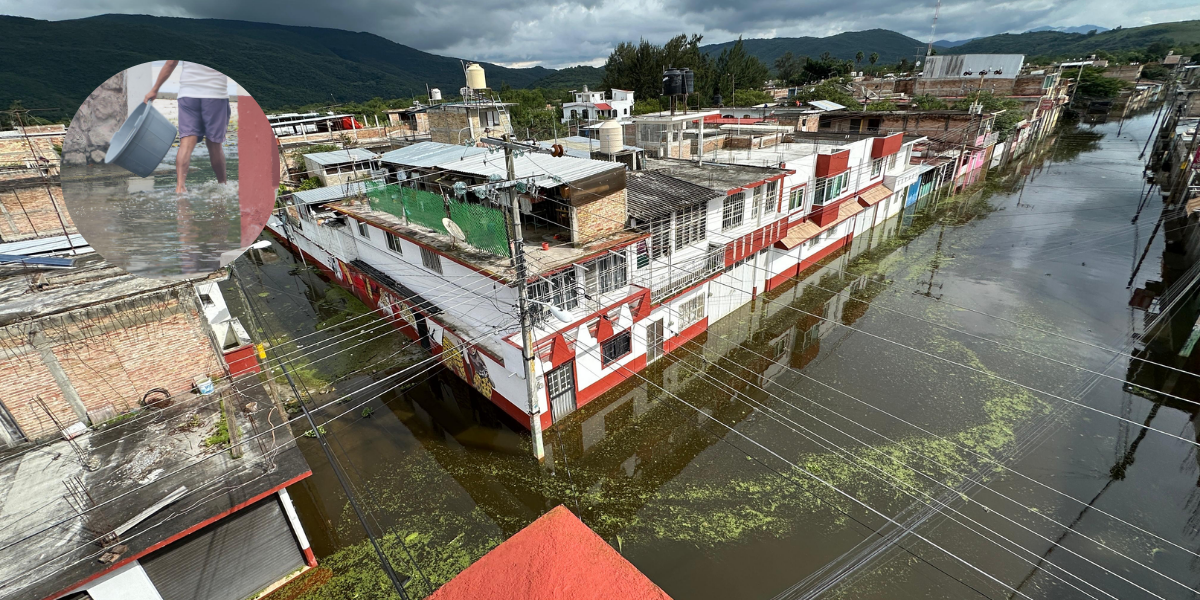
(592, 106)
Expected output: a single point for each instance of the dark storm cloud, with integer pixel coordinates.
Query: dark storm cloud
(559, 33)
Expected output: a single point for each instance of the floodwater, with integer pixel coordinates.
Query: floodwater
(143, 226)
(925, 416)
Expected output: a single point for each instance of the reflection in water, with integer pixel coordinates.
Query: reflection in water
(705, 514)
(143, 226)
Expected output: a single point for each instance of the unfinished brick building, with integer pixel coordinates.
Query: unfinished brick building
(88, 342)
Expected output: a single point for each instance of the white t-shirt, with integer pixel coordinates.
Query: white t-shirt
(199, 81)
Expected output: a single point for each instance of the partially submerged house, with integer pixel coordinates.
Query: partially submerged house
(635, 262)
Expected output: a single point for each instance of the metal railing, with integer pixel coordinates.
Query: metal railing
(665, 280)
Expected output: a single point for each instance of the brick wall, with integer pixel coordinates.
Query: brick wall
(28, 212)
(957, 87)
(444, 126)
(112, 355)
(600, 217)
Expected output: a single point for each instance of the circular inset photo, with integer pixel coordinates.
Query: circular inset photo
(170, 169)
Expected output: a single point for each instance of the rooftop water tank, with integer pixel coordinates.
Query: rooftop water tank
(672, 82)
(475, 79)
(435, 94)
(611, 141)
(688, 81)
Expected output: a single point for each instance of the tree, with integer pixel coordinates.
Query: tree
(1093, 84)
(858, 58)
(639, 67)
(929, 102)
(787, 68)
(873, 58)
(882, 105)
(736, 68)
(827, 91)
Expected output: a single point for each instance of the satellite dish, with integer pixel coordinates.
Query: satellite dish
(456, 232)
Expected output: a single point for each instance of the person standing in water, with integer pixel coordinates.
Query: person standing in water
(203, 113)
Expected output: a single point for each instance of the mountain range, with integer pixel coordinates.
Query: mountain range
(890, 45)
(53, 65)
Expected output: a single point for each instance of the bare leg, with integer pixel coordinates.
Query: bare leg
(216, 154)
(183, 159)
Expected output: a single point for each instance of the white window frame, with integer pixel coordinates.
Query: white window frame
(691, 225)
(830, 188)
(733, 211)
(363, 230)
(691, 311)
(393, 243)
(877, 167)
(431, 260)
(797, 200)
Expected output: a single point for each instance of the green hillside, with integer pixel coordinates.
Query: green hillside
(1054, 44)
(890, 45)
(571, 78)
(56, 64)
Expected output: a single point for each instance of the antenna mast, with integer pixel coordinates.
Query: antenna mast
(932, 28)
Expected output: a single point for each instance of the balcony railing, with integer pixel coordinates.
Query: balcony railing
(667, 275)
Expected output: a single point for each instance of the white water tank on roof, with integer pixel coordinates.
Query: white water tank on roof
(475, 78)
(435, 94)
(611, 138)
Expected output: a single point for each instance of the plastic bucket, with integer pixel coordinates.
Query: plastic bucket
(142, 142)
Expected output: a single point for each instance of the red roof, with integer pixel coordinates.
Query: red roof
(602, 106)
(556, 556)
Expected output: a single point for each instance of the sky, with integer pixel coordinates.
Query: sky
(560, 33)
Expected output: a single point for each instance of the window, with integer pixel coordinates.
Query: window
(733, 211)
(207, 300)
(772, 197)
(830, 188)
(876, 167)
(615, 347)
(559, 289)
(606, 274)
(393, 242)
(796, 199)
(756, 203)
(362, 229)
(715, 258)
(660, 237)
(691, 224)
(892, 161)
(692, 311)
(432, 260)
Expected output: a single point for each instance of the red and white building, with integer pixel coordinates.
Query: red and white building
(640, 261)
(593, 106)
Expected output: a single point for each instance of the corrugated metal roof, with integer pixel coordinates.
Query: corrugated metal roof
(337, 157)
(650, 194)
(329, 194)
(429, 154)
(875, 194)
(44, 245)
(826, 105)
(579, 146)
(951, 66)
(547, 171)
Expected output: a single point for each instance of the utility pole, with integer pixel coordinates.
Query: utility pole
(527, 354)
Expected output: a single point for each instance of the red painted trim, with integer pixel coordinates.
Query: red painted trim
(560, 351)
(181, 534)
(685, 336)
(310, 559)
(620, 373)
(604, 329)
(517, 414)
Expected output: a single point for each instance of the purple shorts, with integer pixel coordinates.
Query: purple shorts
(204, 117)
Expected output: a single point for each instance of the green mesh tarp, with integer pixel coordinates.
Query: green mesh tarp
(483, 226)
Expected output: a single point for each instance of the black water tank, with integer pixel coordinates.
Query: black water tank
(688, 81)
(672, 82)
(717, 100)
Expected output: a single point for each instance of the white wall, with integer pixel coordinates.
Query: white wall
(129, 582)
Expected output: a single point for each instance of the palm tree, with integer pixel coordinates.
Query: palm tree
(858, 57)
(874, 57)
